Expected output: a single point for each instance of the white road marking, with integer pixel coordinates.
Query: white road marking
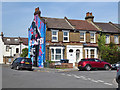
(62, 74)
(84, 78)
(76, 76)
(100, 81)
(108, 83)
(94, 80)
(89, 78)
(69, 75)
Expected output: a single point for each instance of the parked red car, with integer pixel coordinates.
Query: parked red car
(92, 63)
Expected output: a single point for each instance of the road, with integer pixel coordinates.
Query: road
(73, 79)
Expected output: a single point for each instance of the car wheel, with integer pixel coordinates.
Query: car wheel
(11, 66)
(17, 67)
(107, 67)
(118, 86)
(30, 69)
(88, 67)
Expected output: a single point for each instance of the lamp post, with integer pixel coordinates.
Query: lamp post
(10, 54)
(20, 46)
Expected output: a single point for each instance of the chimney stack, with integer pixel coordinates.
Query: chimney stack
(2, 34)
(89, 16)
(37, 11)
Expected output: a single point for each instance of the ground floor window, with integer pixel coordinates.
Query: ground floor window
(90, 52)
(56, 53)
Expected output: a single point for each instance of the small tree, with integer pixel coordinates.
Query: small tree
(24, 52)
(109, 53)
(101, 45)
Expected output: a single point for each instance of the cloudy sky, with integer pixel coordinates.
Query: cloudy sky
(17, 16)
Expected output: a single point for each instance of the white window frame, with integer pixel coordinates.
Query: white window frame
(94, 37)
(89, 52)
(54, 48)
(84, 36)
(65, 36)
(107, 42)
(117, 39)
(7, 48)
(55, 35)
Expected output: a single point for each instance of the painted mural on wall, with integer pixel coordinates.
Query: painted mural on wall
(36, 42)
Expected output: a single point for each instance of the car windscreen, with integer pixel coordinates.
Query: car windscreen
(27, 60)
(83, 60)
(17, 60)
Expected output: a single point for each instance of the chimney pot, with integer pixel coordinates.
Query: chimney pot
(37, 11)
(2, 34)
(89, 16)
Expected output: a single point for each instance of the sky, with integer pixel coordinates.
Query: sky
(17, 16)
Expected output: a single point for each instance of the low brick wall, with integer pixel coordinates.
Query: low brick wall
(63, 65)
(76, 64)
(6, 60)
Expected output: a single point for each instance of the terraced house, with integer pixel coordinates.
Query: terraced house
(76, 39)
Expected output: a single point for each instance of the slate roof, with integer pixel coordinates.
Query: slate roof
(118, 25)
(15, 40)
(57, 23)
(24, 41)
(107, 27)
(83, 25)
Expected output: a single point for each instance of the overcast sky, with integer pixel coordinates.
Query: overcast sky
(17, 16)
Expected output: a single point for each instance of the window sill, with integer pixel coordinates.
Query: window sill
(54, 41)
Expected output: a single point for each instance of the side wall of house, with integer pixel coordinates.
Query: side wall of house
(1, 50)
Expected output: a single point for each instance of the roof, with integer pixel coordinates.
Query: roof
(57, 23)
(24, 41)
(82, 25)
(15, 40)
(118, 25)
(107, 27)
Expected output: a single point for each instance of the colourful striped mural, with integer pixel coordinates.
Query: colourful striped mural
(36, 41)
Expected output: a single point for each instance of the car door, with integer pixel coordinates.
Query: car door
(99, 63)
(92, 62)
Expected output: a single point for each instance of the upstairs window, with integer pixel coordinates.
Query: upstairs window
(17, 50)
(65, 36)
(107, 39)
(54, 36)
(82, 37)
(8, 39)
(16, 39)
(92, 37)
(7, 48)
(116, 41)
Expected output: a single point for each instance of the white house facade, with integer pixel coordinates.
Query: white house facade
(11, 48)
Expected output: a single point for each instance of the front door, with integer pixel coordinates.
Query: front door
(70, 56)
(74, 54)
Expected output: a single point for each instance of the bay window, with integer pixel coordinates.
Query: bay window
(56, 53)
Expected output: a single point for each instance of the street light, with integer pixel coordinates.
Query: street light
(10, 54)
(20, 46)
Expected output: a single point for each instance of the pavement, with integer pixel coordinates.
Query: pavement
(54, 70)
(37, 69)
